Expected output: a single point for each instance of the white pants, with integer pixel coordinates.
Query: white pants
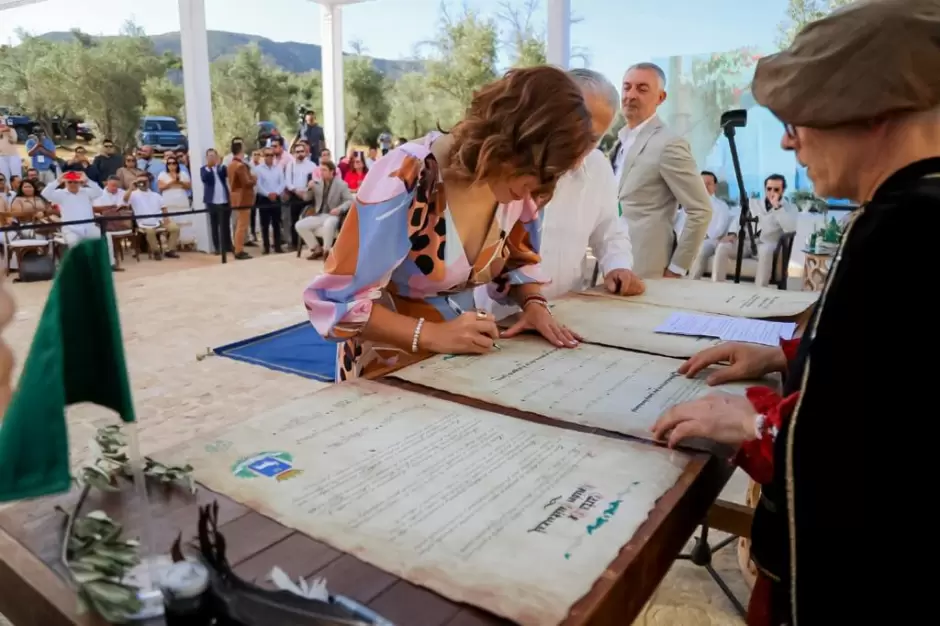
(727, 252)
(80, 232)
(705, 253)
(323, 226)
(11, 166)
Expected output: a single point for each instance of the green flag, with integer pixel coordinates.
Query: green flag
(76, 356)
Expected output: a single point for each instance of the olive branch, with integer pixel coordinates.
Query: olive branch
(93, 552)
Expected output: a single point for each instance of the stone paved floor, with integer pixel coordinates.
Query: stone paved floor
(174, 310)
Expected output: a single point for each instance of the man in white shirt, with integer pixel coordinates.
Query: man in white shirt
(298, 172)
(109, 203)
(76, 203)
(269, 189)
(583, 212)
(718, 228)
(776, 217)
(147, 203)
(112, 196)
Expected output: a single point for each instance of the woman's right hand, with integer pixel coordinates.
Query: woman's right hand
(747, 361)
(470, 333)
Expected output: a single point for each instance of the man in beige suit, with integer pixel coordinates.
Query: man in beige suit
(656, 173)
(329, 199)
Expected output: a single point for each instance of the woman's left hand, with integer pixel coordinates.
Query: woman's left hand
(537, 317)
(721, 417)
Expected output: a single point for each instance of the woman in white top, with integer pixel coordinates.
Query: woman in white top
(11, 164)
(174, 186)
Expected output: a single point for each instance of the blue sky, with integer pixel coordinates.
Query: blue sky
(613, 33)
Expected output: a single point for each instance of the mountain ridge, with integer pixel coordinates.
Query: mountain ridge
(291, 56)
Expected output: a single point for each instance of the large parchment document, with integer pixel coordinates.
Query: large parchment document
(515, 517)
(720, 298)
(607, 388)
(625, 324)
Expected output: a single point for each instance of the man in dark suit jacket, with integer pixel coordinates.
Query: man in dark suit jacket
(216, 198)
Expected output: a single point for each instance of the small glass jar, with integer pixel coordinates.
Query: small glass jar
(184, 587)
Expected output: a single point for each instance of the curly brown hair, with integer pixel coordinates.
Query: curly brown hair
(530, 122)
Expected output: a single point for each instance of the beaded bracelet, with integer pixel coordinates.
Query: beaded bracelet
(538, 298)
(416, 335)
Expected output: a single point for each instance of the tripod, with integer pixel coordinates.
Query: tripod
(729, 121)
(701, 555)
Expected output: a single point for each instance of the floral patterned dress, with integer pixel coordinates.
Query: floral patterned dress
(400, 246)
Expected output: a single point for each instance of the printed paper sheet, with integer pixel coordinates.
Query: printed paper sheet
(515, 517)
(625, 325)
(608, 388)
(727, 328)
(720, 298)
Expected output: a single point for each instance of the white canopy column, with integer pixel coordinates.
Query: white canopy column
(558, 49)
(198, 93)
(331, 68)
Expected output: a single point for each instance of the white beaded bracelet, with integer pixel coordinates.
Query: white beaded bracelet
(416, 335)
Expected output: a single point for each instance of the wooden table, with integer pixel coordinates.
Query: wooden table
(35, 592)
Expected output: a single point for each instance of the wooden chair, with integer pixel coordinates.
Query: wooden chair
(17, 248)
(779, 270)
(18, 244)
(119, 238)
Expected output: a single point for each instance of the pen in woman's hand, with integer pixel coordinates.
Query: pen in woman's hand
(456, 308)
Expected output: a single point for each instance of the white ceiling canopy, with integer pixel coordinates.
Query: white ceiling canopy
(9, 4)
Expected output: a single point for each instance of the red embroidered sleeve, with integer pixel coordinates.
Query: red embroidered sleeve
(756, 457)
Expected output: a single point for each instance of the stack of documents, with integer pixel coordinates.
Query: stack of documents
(727, 328)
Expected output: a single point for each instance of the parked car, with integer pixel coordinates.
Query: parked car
(20, 123)
(24, 125)
(71, 128)
(162, 133)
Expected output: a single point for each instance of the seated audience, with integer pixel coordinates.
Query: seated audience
(356, 173)
(776, 216)
(128, 172)
(146, 204)
(74, 194)
(718, 228)
(329, 199)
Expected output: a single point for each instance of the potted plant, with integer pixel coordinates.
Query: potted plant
(808, 202)
(829, 237)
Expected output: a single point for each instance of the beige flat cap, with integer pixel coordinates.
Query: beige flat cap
(868, 59)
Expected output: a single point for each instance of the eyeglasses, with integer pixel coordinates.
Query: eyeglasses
(790, 130)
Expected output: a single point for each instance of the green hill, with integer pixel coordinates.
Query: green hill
(287, 55)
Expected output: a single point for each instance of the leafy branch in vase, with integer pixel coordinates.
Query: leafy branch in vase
(97, 558)
(113, 462)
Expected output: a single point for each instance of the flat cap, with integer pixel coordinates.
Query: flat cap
(869, 59)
